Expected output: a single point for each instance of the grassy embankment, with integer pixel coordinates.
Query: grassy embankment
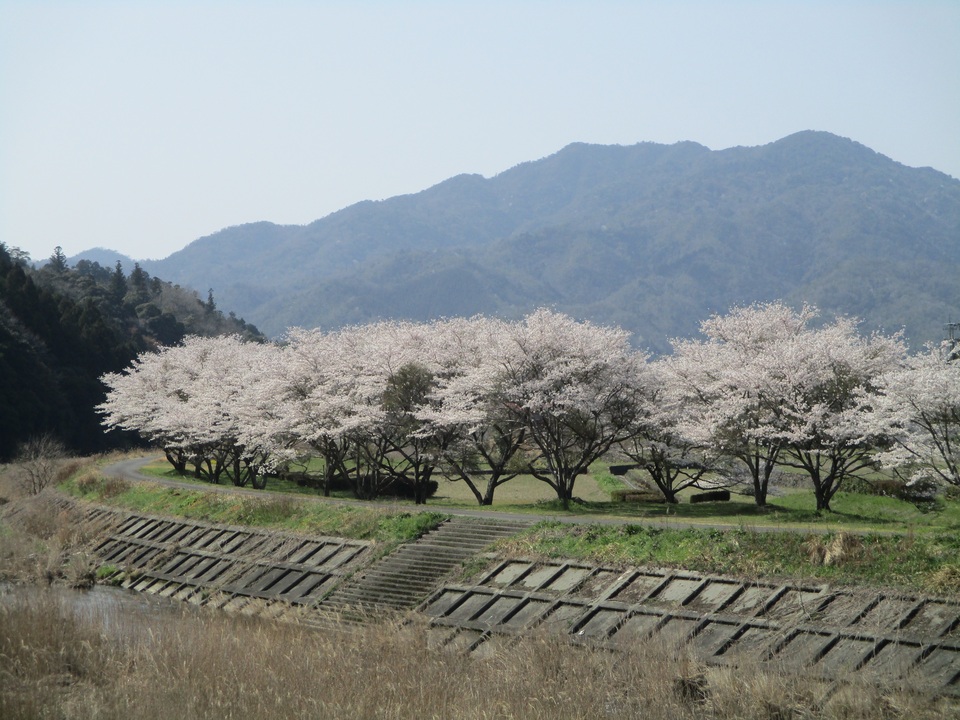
(870, 540)
(60, 663)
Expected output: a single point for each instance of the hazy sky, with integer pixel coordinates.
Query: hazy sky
(141, 126)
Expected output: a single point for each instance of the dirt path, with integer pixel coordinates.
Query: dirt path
(131, 469)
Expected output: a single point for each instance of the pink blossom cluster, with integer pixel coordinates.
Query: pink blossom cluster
(481, 400)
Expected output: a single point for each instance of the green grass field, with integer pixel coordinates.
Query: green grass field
(794, 507)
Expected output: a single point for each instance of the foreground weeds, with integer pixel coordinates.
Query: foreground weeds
(60, 664)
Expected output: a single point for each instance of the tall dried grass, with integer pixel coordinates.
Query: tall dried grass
(56, 663)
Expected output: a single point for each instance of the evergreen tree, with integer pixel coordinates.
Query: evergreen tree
(58, 261)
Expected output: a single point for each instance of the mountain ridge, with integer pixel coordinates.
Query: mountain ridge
(652, 237)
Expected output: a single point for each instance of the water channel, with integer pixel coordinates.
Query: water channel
(119, 614)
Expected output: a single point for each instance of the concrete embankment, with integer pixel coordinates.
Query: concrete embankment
(810, 629)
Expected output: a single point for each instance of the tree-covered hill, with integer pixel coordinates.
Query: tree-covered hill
(651, 237)
(61, 328)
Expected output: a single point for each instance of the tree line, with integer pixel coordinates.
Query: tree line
(393, 405)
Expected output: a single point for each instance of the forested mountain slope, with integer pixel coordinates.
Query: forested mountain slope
(651, 237)
(61, 328)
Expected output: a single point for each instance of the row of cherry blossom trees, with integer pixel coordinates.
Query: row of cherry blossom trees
(481, 400)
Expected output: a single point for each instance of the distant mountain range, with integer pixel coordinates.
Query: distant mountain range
(651, 237)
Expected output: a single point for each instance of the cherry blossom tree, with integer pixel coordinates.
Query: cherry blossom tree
(147, 399)
(728, 385)
(484, 439)
(572, 385)
(208, 400)
(660, 440)
(320, 399)
(356, 397)
(825, 380)
(919, 406)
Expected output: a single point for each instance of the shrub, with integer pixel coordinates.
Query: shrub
(632, 495)
(39, 460)
(711, 496)
(922, 492)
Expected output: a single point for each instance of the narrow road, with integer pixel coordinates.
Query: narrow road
(131, 470)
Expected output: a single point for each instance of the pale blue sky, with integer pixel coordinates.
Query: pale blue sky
(141, 126)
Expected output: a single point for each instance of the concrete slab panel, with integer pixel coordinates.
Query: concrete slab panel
(638, 588)
(343, 555)
(179, 560)
(885, 615)
(441, 604)
(892, 661)
(750, 601)
(470, 607)
(567, 581)
(596, 584)
(235, 543)
(142, 584)
(529, 613)
(306, 582)
(676, 631)
(169, 589)
(208, 539)
(322, 585)
(509, 573)
(140, 528)
(292, 578)
(182, 532)
(803, 650)
(267, 580)
(840, 611)
(302, 553)
(933, 619)
(562, 617)
(538, 576)
(201, 568)
(185, 592)
(845, 657)
(131, 527)
(714, 636)
(163, 531)
(635, 628)
(675, 592)
(714, 596)
(795, 606)
(501, 608)
(938, 669)
(601, 623)
(752, 643)
(307, 588)
(250, 577)
(222, 572)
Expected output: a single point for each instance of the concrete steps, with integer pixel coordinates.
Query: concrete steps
(406, 577)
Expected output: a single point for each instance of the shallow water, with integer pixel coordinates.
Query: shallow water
(118, 613)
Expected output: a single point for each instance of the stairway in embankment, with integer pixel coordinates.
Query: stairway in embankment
(407, 576)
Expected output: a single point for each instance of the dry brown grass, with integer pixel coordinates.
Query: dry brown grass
(54, 663)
